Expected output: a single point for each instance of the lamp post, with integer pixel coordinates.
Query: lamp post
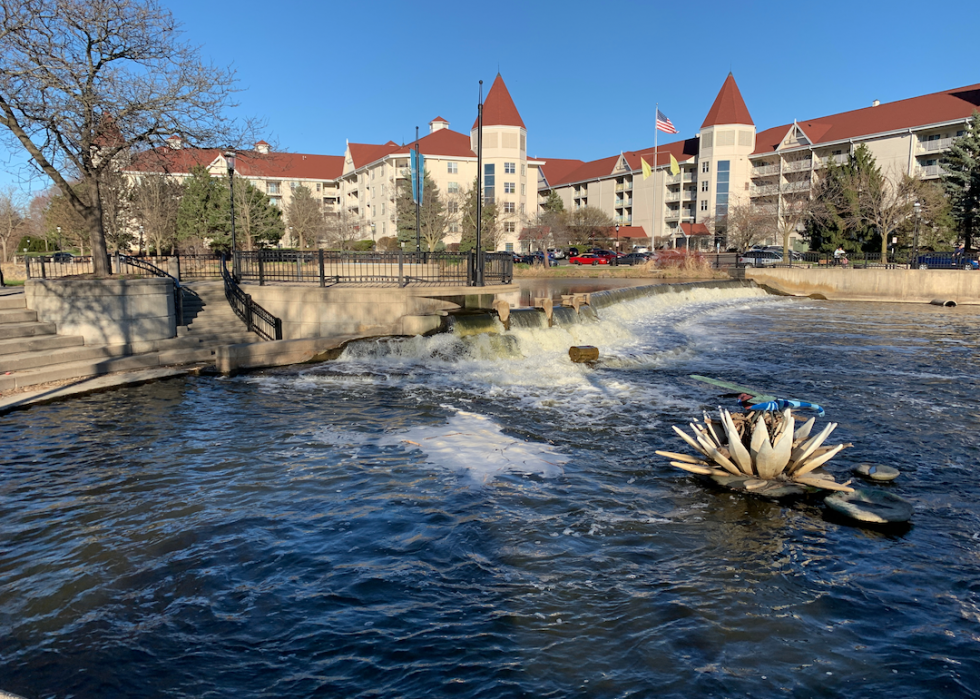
(917, 207)
(230, 160)
(59, 237)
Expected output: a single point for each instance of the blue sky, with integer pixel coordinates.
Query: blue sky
(585, 76)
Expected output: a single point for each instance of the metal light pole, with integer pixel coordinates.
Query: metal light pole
(917, 207)
(230, 160)
(479, 190)
(419, 179)
(59, 237)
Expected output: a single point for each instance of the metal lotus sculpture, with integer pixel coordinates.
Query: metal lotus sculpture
(763, 452)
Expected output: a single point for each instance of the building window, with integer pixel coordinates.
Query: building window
(509, 187)
(454, 228)
(452, 168)
(293, 186)
(721, 187)
(488, 182)
(452, 207)
(382, 208)
(509, 247)
(523, 170)
(383, 228)
(523, 189)
(275, 201)
(453, 188)
(510, 168)
(510, 227)
(704, 185)
(706, 166)
(318, 186)
(704, 205)
(509, 207)
(272, 187)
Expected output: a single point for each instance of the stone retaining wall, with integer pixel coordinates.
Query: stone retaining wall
(106, 311)
(874, 284)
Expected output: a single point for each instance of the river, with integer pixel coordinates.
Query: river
(478, 517)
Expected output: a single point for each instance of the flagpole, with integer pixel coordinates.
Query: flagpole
(653, 231)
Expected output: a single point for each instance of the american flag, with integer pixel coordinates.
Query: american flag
(663, 123)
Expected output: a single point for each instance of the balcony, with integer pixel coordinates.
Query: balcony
(936, 144)
(672, 215)
(765, 170)
(799, 186)
(764, 190)
(797, 165)
(673, 196)
(839, 159)
(925, 171)
(690, 194)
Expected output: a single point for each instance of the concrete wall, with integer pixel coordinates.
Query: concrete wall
(107, 311)
(315, 312)
(901, 285)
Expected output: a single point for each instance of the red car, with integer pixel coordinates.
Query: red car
(589, 258)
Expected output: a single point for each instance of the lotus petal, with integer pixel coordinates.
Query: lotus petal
(683, 457)
(765, 462)
(804, 431)
(725, 462)
(825, 484)
(808, 447)
(683, 435)
(693, 468)
(759, 435)
(805, 467)
(702, 434)
(740, 455)
(755, 484)
(782, 446)
(711, 428)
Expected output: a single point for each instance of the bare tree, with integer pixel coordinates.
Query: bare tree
(11, 221)
(885, 203)
(343, 229)
(155, 202)
(304, 216)
(84, 82)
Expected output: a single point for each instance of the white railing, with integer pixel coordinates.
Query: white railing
(765, 170)
(673, 196)
(936, 144)
(801, 186)
(840, 159)
(931, 171)
(762, 190)
(797, 165)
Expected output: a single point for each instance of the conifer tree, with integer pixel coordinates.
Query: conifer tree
(202, 213)
(962, 179)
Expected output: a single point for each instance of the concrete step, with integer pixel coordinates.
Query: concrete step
(77, 370)
(34, 360)
(13, 302)
(20, 315)
(222, 328)
(11, 330)
(38, 343)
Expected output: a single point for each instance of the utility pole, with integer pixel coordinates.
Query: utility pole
(478, 281)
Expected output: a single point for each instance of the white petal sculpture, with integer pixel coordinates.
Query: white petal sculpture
(760, 452)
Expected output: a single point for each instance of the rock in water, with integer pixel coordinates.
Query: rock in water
(874, 506)
(876, 472)
(583, 353)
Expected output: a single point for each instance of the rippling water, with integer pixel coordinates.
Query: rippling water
(478, 517)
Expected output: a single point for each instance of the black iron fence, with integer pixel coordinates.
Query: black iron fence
(394, 269)
(256, 318)
(56, 267)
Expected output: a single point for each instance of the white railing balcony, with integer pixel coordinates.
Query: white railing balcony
(797, 165)
(930, 171)
(628, 187)
(620, 186)
(765, 170)
(801, 186)
(690, 194)
(839, 159)
(688, 176)
(673, 196)
(763, 190)
(936, 144)
(672, 215)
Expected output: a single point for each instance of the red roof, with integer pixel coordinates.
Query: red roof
(627, 232)
(681, 150)
(297, 165)
(729, 107)
(498, 107)
(591, 170)
(691, 229)
(444, 142)
(555, 169)
(938, 107)
(438, 119)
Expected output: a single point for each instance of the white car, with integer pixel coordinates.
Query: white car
(759, 258)
(556, 253)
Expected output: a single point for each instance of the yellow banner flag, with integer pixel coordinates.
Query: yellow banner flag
(646, 168)
(675, 169)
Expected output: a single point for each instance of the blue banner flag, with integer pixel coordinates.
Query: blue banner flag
(418, 177)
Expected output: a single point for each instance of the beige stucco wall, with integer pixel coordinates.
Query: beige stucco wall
(106, 312)
(899, 285)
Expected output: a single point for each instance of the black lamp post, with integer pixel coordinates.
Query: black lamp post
(917, 207)
(230, 160)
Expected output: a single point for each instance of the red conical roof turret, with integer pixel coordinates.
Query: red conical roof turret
(498, 107)
(729, 107)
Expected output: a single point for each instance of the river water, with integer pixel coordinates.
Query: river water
(476, 516)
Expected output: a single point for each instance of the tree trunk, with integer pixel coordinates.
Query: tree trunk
(884, 247)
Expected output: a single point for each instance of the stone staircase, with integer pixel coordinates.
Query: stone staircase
(31, 353)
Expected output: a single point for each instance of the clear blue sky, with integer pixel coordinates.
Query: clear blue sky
(585, 76)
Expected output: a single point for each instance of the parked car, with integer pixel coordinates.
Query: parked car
(946, 260)
(634, 258)
(62, 257)
(759, 258)
(556, 253)
(778, 249)
(589, 258)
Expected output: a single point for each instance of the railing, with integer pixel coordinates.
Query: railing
(46, 268)
(936, 144)
(839, 159)
(199, 266)
(151, 269)
(401, 269)
(765, 189)
(931, 171)
(765, 170)
(797, 165)
(256, 318)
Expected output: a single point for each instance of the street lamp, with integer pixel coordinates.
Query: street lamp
(230, 160)
(59, 237)
(917, 207)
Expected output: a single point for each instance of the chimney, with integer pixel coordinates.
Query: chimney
(261, 147)
(875, 103)
(174, 142)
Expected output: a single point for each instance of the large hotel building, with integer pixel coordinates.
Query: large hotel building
(728, 162)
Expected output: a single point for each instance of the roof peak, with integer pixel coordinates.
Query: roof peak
(728, 107)
(499, 108)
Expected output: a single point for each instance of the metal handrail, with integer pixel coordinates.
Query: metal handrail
(157, 272)
(256, 318)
